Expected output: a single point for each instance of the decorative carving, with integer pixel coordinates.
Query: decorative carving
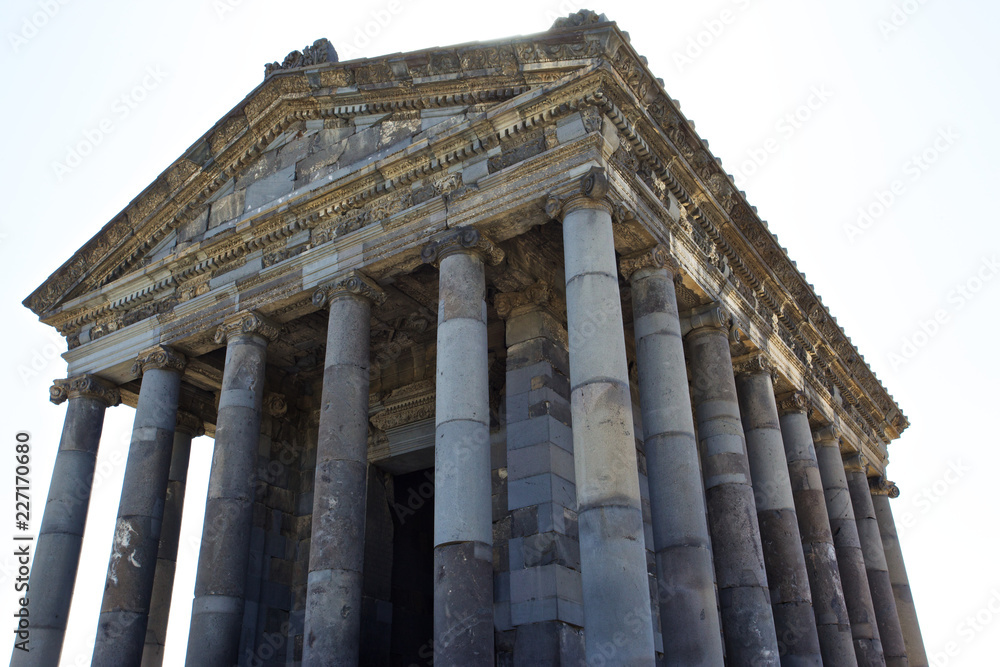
(354, 284)
(538, 294)
(580, 18)
(159, 357)
(752, 364)
(794, 401)
(880, 486)
(190, 423)
(714, 316)
(412, 403)
(553, 207)
(594, 183)
(85, 386)
(249, 322)
(620, 214)
(465, 239)
(321, 51)
(274, 404)
(656, 257)
(856, 463)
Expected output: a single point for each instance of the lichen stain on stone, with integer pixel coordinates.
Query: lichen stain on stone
(123, 540)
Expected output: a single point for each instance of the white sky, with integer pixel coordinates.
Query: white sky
(880, 98)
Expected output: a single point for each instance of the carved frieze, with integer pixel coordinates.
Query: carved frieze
(539, 294)
(412, 403)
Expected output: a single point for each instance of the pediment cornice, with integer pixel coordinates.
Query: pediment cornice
(517, 86)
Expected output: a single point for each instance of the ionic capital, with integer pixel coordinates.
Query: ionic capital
(793, 401)
(160, 357)
(190, 423)
(880, 486)
(539, 294)
(465, 239)
(85, 386)
(657, 257)
(247, 323)
(592, 193)
(712, 316)
(354, 284)
(827, 435)
(754, 363)
(856, 463)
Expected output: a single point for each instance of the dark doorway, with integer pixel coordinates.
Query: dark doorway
(413, 569)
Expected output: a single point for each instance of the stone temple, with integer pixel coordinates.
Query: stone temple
(500, 368)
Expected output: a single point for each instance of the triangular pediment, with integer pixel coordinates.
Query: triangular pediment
(311, 118)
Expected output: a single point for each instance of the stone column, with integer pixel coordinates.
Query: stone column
(217, 611)
(121, 630)
(337, 547)
(784, 561)
(689, 616)
(882, 491)
(187, 428)
(832, 621)
(545, 602)
(889, 629)
(57, 551)
(463, 513)
(850, 560)
(747, 618)
(617, 609)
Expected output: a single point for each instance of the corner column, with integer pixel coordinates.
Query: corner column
(882, 491)
(744, 599)
(187, 428)
(689, 616)
(463, 505)
(217, 611)
(57, 551)
(889, 629)
(617, 610)
(850, 560)
(832, 621)
(121, 629)
(791, 601)
(337, 548)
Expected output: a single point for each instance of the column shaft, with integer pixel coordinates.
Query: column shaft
(889, 629)
(747, 618)
(121, 630)
(463, 515)
(57, 551)
(832, 621)
(689, 616)
(166, 559)
(217, 611)
(850, 560)
(791, 601)
(912, 638)
(336, 552)
(612, 545)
